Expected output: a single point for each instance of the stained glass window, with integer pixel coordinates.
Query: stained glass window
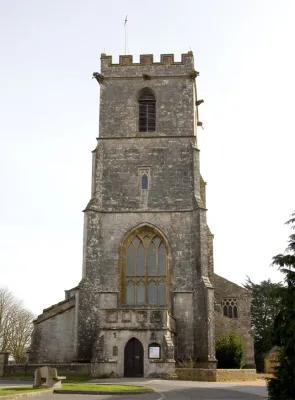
(130, 293)
(145, 272)
(152, 293)
(140, 297)
(162, 293)
(162, 260)
(140, 260)
(130, 262)
(152, 260)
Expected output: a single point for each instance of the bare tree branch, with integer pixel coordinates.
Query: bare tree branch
(15, 325)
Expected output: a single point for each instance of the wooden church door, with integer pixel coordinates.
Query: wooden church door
(133, 359)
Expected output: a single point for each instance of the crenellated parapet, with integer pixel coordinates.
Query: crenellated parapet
(166, 67)
(147, 59)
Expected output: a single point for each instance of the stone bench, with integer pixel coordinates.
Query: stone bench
(46, 377)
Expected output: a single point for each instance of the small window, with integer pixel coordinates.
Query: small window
(147, 111)
(144, 182)
(115, 351)
(230, 308)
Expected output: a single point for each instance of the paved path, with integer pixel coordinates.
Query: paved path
(174, 390)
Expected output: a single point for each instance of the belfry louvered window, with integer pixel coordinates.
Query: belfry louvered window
(147, 111)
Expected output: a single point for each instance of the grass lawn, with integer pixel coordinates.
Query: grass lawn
(103, 387)
(74, 378)
(77, 386)
(18, 390)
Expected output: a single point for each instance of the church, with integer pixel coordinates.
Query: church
(148, 296)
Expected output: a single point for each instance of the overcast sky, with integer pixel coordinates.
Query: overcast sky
(49, 109)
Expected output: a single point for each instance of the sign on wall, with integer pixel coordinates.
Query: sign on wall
(154, 352)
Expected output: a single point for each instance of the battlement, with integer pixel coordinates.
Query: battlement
(166, 66)
(147, 59)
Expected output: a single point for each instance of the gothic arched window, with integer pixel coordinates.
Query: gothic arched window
(144, 182)
(145, 270)
(147, 111)
(230, 308)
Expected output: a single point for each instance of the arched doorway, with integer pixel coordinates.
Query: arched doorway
(133, 359)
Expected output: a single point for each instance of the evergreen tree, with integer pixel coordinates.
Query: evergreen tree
(230, 351)
(282, 386)
(265, 306)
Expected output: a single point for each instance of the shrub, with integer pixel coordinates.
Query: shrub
(282, 386)
(230, 351)
(186, 363)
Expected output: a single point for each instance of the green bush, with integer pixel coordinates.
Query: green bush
(230, 351)
(188, 363)
(282, 385)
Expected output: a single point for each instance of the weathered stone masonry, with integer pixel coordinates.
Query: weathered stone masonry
(102, 322)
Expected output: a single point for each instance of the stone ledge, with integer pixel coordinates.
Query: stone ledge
(99, 392)
(216, 375)
(196, 374)
(29, 394)
(56, 309)
(161, 361)
(159, 135)
(235, 375)
(83, 369)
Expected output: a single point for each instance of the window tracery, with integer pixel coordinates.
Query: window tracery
(145, 270)
(230, 308)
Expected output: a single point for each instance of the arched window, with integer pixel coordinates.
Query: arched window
(115, 351)
(230, 308)
(145, 270)
(147, 111)
(144, 182)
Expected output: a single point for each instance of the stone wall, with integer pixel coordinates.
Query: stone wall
(241, 325)
(108, 351)
(227, 289)
(152, 369)
(54, 335)
(100, 291)
(218, 375)
(62, 369)
(3, 361)
(196, 374)
(271, 360)
(173, 91)
(235, 375)
(227, 325)
(172, 205)
(117, 183)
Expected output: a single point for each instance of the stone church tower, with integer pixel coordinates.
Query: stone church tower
(146, 297)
